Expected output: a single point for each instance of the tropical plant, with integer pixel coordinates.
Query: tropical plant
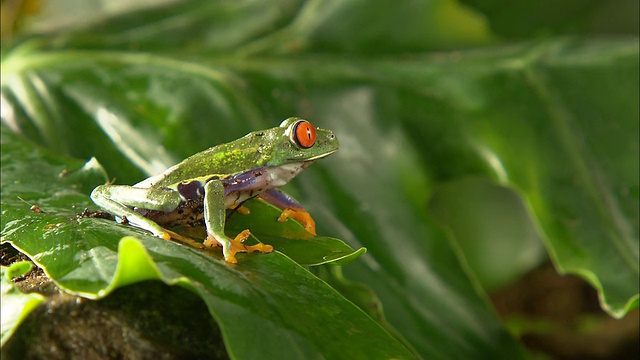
(436, 104)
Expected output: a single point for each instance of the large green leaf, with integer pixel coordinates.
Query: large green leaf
(555, 119)
(91, 257)
(572, 155)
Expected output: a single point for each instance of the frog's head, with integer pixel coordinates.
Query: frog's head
(296, 140)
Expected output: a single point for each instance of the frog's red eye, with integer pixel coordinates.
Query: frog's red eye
(304, 134)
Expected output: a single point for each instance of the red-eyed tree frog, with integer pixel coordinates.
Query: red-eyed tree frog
(205, 184)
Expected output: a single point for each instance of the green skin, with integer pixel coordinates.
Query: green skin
(213, 180)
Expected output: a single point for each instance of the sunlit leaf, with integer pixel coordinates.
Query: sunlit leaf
(555, 120)
(16, 305)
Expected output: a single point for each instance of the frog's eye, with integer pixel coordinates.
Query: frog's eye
(303, 134)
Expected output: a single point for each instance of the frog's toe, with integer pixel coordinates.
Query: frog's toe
(300, 215)
(263, 248)
(241, 209)
(211, 242)
(227, 247)
(231, 247)
(237, 245)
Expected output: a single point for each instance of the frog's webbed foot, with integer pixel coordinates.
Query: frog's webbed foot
(232, 246)
(300, 215)
(291, 209)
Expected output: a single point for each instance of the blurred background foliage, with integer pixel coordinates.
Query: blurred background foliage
(479, 138)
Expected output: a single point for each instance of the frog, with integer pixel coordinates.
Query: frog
(203, 186)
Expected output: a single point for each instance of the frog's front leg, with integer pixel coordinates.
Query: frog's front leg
(119, 200)
(214, 219)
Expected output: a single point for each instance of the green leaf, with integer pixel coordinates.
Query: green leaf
(513, 245)
(16, 305)
(290, 237)
(554, 119)
(529, 19)
(576, 155)
(92, 257)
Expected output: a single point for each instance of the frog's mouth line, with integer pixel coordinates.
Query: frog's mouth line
(311, 160)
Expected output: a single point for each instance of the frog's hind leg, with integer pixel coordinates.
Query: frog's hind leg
(214, 220)
(117, 200)
(184, 239)
(290, 209)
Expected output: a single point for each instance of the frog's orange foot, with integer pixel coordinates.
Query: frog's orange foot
(238, 246)
(211, 242)
(241, 209)
(300, 215)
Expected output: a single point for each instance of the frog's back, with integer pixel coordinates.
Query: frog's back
(220, 161)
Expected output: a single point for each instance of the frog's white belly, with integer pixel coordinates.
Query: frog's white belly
(252, 183)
